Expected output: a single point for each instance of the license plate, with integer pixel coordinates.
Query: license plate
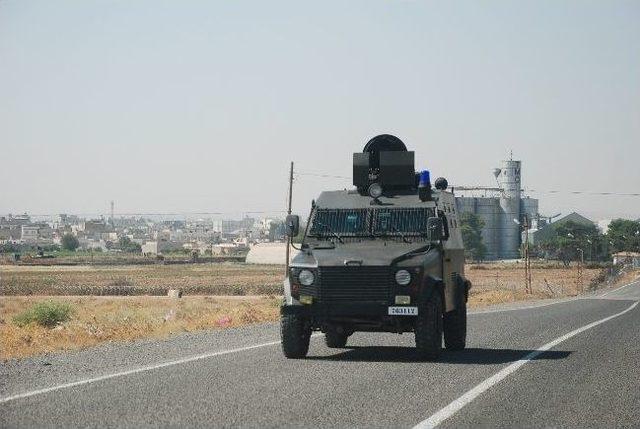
(403, 311)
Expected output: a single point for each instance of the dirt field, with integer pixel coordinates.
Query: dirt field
(192, 279)
(511, 275)
(245, 279)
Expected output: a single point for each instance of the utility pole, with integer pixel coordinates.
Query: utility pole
(289, 239)
(579, 277)
(527, 258)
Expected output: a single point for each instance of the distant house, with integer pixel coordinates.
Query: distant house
(91, 244)
(548, 231)
(15, 221)
(93, 228)
(10, 234)
(29, 234)
(157, 247)
(269, 253)
(631, 258)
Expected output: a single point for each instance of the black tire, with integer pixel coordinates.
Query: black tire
(295, 334)
(428, 329)
(455, 328)
(335, 340)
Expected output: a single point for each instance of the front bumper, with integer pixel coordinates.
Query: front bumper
(350, 309)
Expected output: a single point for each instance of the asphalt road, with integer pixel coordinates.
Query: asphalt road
(588, 377)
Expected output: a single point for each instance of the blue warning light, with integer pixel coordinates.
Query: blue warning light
(425, 179)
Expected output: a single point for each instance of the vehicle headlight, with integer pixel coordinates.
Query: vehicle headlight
(306, 278)
(403, 277)
(375, 190)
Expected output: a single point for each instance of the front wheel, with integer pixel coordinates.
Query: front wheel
(295, 333)
(428, 329)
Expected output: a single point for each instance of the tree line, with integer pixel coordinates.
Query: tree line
(568, 241)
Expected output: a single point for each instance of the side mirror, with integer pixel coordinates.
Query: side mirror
(292, 225)
(435, 229)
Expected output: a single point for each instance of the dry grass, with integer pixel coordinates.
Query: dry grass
(99, 319)
(96, 319)
(504, 282)
(194, 279)
(553, 281)
(625, 278)
(483, 298)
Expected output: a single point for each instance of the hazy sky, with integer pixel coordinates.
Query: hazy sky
(199, 106)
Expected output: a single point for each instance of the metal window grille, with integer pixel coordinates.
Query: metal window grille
(407, 221)
(370, 222)
(344, 222)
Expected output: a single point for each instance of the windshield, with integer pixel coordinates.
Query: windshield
(370, 222)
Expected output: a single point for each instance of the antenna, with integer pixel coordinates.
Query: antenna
(111, 212)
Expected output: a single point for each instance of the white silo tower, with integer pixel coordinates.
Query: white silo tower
(510, 185)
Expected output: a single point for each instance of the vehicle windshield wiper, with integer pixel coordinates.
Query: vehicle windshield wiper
(404, 237)
(332, 232)
(396, 230)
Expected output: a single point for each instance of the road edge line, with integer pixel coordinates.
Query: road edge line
(137, 370)
(526, 307)
(621, 287)
(468, 397)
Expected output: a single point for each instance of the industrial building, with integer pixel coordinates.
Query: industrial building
(503, 209)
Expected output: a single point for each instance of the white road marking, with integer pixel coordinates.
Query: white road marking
(138, 370)
(523, 307)
(472, 394)
(557, 301)
(619, 288)
(241, 349)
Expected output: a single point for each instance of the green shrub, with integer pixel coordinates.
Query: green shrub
(70, 242)
(46, 313)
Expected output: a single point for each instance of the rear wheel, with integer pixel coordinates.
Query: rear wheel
(295, 333)
(428, 329)
(335, 340)
(455, 328)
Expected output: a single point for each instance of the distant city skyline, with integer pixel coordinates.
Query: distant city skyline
(169, 108)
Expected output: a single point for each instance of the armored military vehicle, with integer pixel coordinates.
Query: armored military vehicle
(386, 256)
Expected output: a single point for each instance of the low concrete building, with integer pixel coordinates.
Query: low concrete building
(10, 233)
(93, 228)
(29, 234)
(158, 247)
(90, 244)
(269, 253)
(109, 236)
(629, 258)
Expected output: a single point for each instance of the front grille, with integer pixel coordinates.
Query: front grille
(353, 284)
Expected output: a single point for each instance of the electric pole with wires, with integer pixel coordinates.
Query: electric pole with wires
(579, 287)
(289, 239)
(527, 257)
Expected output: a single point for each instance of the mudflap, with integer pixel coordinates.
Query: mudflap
(298, 310)
(428, 287)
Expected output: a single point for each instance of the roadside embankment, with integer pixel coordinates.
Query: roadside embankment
(121, 303)
(93, 320)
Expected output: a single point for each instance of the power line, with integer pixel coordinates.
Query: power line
(330, 176)
(161, 214)
(618, 194)
(554, 191)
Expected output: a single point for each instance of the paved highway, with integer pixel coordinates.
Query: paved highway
(573, 363)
